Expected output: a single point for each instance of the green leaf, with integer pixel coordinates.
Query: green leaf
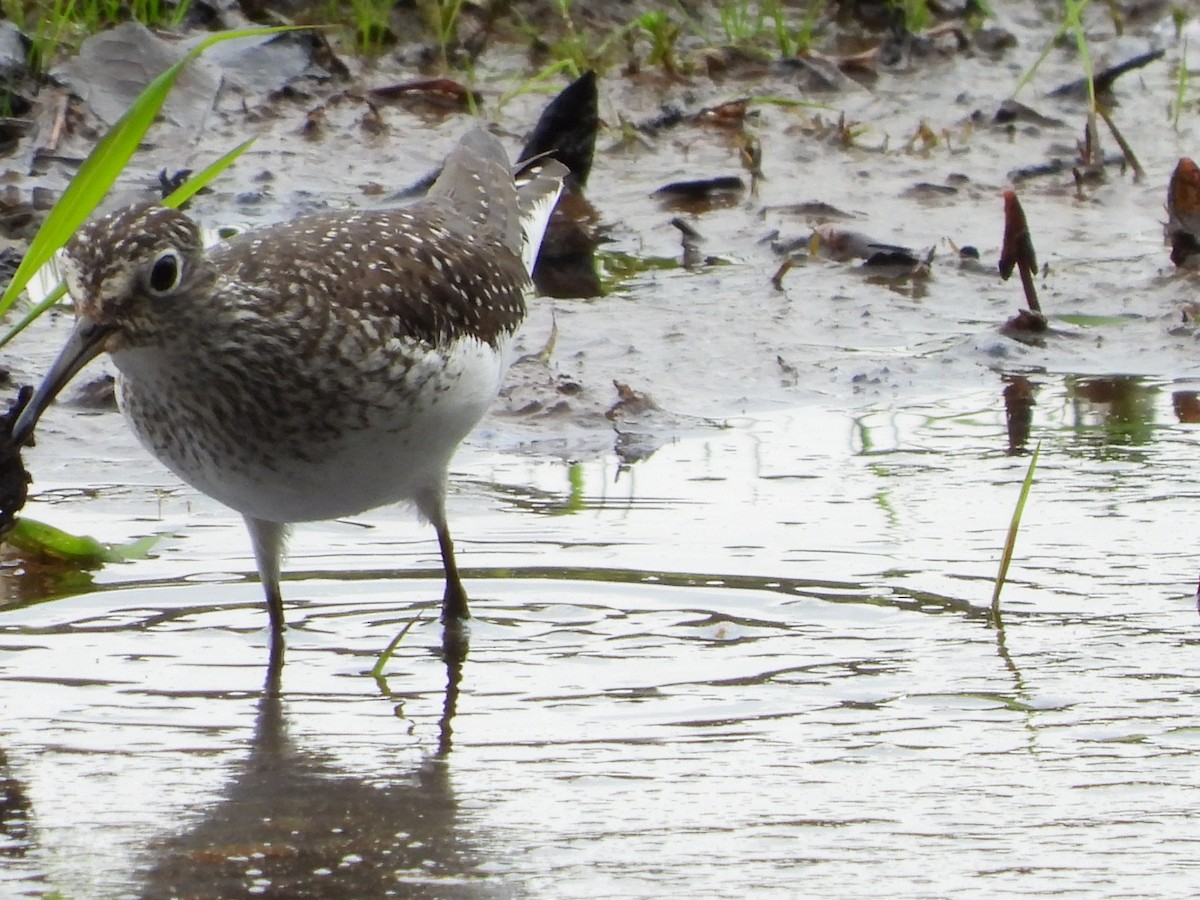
(32, 536)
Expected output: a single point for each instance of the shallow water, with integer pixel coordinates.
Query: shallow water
(759, 659)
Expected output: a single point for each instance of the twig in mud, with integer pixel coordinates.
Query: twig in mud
(438, 91)
(1091, 157)
(1103, 80)
(690, 238)
(1138, 172)
(784, 268)
(59, 128)
(752, 156)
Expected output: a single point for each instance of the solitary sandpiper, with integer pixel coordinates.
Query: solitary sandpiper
(319, 367)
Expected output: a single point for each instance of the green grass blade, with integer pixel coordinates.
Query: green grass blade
(53, 297)
(106, 161)
(381, 663)
(1074, 23)
(1011, 542)
(205, 176)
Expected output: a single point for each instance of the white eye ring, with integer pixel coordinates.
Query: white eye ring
(166, 272)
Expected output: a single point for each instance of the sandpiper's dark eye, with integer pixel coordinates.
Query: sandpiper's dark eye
(166, 272)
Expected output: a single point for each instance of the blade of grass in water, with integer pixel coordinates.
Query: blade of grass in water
(106, 161)
(176, 198)
(1011, 542)
(381, 663)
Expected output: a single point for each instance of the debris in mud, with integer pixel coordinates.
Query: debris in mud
(1012, 112)
(994, 40)
(10, 260)
(814, 72)
(1018, 253)
(14, 480)
(1083, 172)
(630, 403)
(789, 375)
(810, 209)
(169, 184)
(11, 132)
(843, 245)
(1102, 81)
(702, 192)
(566, 131)
(925, 189)
(313, 128)
(751, 154)
(21, 212)
(730, 114)
(690, 238)
(98, 394)
(1183, 213)
(372, 121)
(442, 94)
(1024, 323)
(642, 426)
(1091, 159)
(532, 390)
(114, 66)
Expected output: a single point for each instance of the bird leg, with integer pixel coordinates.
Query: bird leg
(432, 504)
(268, 539)
(454, 601)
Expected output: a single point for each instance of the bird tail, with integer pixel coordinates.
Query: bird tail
(539, 185)
(480, 193)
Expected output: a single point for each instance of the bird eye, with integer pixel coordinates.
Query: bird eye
(166, 272)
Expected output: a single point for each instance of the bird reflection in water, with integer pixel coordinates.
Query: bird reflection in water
(291, 824)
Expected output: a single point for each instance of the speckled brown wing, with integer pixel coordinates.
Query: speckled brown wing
(402, 266)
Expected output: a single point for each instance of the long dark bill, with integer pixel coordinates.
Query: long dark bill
(84, 344)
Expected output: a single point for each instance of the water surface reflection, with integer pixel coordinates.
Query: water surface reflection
(291, 823)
